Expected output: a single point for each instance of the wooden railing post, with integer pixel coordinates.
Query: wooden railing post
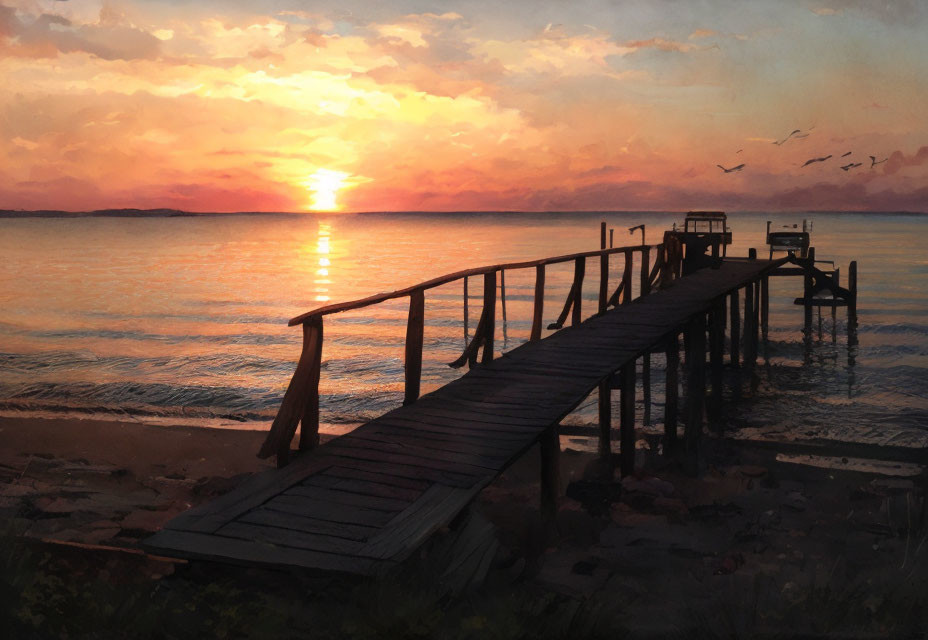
(645, 271)
(579, 269)
(627, 277)
(301, 400)
(414, 331)
(539, 310)
(489, 308)
(603, 281)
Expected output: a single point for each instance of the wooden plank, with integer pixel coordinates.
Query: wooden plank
(407, 530)
(272, 518)
(414, 332)
(412, 472)
(364, 487)
(497, 435)
(329, 511)
(357, 451)
(445, 457)
(386, 479)
(429, 446)
(212, 547)
(289, 538)
(323, 494)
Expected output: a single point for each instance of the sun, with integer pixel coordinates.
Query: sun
(325, 184)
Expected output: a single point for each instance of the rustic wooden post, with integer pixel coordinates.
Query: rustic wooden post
(716, 354)
(489, 308)
(538, 313)
(627, 420)
(603, 281)
(579, 268)
(756, 336)
(671, 390)
(466, 313)
(749, 325)
(695, 342)
(309, 420)
(645, 271)
(550, 447)
(502, 298)
(852, 304)
(752, 254)
(735, 322)
(602, 234)
(414, 331)
(605, 420)
(627, 277)
(765, 306)
(807, 294)
(611, 236)
(646, 388)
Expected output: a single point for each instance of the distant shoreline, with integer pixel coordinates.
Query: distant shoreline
(177, 213)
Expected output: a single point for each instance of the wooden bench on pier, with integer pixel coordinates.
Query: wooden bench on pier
(363, 502)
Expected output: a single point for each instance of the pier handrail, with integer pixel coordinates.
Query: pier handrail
(300, 404)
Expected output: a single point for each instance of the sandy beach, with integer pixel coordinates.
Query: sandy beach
(657, 553)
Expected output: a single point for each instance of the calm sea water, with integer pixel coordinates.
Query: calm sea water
(185, 319)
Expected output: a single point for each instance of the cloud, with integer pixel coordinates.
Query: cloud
(898, 160)
(661, 44)
(703, 33)
(825, 11)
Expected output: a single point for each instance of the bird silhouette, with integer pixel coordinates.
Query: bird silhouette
(739, 151)
(738, 168)
(844, 155)
(823, 159)
(791, 134)
(853, 165)
(874, 161)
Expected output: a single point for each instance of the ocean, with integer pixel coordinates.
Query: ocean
(183, 320)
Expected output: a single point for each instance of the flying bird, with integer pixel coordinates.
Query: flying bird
(738, 168)
(853, 165)
(874, 161)
(813, 160)
(844, 155)
(791, 134)
(739, 151)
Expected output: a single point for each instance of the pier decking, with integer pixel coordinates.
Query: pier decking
(364, 501)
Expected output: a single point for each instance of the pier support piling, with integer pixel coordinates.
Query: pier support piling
(716, 348)
(671, 391)
(735, 324)
(695, 345)
(749, 331)
(627, 420)
(550, 448)
(605, 420)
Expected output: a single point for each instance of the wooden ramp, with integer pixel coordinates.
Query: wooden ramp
(363, 502)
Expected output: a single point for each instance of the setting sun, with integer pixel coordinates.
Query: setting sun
(324, 184)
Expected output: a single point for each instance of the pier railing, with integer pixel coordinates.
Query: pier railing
(300, 405)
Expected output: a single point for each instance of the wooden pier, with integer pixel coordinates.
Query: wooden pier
(363, 502)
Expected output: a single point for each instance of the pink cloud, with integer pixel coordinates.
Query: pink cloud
(898, 160)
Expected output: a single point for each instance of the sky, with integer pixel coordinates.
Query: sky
(463, 105)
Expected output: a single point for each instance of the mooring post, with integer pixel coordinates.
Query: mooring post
(671, 391)
(749, 326)
(734, 308)
(765, 306)
(605, 420)
(852, 304)
(752, 254)
(695, 365)
(716, 353)
(627, 420)
(550, 448)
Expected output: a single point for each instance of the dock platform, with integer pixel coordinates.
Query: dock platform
(363, 502)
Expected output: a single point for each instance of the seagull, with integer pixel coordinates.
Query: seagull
(791, 134)
(808, 162)
(739, 151)
(738, 168)
(874, 161)
(844, 155)
(853, 165)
